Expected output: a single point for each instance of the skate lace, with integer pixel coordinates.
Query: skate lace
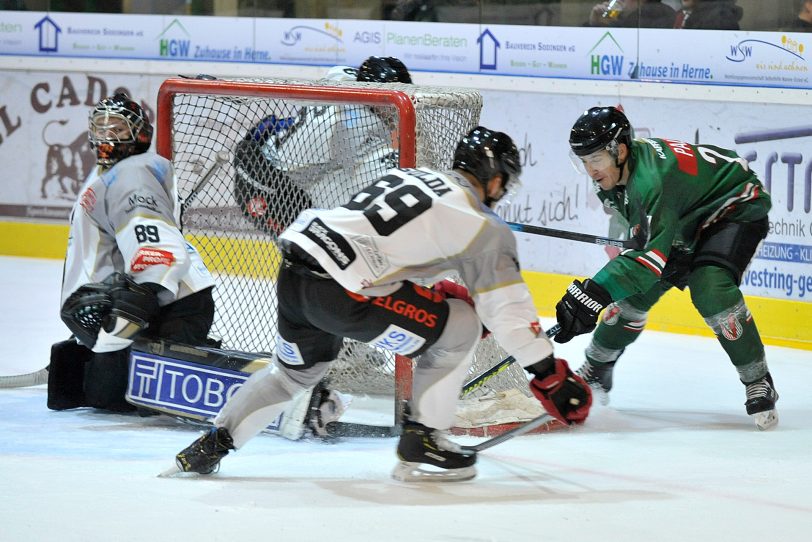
(758, 390)
(587, 372)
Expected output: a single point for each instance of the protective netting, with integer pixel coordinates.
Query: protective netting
(246, 165)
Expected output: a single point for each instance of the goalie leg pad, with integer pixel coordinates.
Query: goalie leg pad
(106, 381)
(66, 375)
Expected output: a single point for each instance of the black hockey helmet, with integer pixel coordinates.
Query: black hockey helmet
(380, 69)
(118, 128)
(600, 128)
(484, 153)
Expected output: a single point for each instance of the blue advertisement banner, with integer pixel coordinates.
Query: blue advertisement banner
(763, 59)
(179, 386)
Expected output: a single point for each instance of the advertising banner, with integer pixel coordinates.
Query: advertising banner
(766, 59)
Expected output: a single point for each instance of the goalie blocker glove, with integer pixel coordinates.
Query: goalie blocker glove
(578, 310)
(563, 394)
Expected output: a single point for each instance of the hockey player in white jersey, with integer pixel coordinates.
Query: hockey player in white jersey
(350, 272)
(285, 164)
(128, 270)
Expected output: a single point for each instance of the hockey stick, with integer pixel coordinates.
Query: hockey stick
(499, 367)
(220, 158)
(515, 432)
(635, 243)
(25, 380)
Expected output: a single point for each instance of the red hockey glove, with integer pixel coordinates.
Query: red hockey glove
(578, 310)
(563, 394)
(447, 288)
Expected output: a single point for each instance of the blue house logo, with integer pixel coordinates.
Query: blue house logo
(488, 46)
(48, 35)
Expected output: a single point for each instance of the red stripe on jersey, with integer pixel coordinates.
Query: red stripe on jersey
(686, 159)
(656, 270)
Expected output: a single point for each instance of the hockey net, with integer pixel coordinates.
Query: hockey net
(249, 155)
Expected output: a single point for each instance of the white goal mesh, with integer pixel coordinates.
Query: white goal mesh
(250, 155)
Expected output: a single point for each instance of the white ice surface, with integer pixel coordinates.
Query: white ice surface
(673, 458)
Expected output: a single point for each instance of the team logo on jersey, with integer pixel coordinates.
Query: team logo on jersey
(331, 241)
(145, 258)
(535, 327)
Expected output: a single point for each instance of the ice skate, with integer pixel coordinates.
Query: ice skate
(599, 378)
(760, 404)
(203, 455)
(427, 456)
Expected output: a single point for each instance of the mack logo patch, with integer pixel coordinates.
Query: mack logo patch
(182, 387)
(332, 242)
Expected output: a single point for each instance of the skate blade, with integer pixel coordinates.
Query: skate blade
(601, 396)
(766, 420)
(406, 471)
(171, 472)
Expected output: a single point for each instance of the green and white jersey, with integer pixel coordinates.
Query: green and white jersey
(682, 189)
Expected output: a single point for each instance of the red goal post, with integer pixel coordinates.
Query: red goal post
(250, 154)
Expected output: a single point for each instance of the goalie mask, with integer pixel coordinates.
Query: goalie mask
(484, 153)
(118, 128)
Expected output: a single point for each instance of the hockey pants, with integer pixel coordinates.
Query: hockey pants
(715, 295)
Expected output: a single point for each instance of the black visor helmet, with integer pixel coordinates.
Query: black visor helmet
(485, 153)
(600, 128)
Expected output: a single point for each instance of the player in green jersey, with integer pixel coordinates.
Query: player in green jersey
(706, 214)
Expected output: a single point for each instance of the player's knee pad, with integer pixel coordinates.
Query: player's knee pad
(458, 340)
(66, 375)
(730, 245)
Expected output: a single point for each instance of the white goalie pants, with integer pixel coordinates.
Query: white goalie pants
(438, 378)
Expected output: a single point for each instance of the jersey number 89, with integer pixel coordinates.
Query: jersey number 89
(147, 233)
(389, 204)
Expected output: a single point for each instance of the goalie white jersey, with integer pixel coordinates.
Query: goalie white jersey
(422, 225)
(125, 220)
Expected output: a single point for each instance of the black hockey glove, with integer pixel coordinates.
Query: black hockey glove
(578, 310)
(133, 306)
(563, 394)
(677, 268)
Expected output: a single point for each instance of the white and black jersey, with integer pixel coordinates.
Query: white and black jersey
(422, 225)
(125, 220)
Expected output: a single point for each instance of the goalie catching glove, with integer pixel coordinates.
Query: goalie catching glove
(563, 394)
(578, 310)
(106, 316)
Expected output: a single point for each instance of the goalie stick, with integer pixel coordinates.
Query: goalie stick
(25, 380)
